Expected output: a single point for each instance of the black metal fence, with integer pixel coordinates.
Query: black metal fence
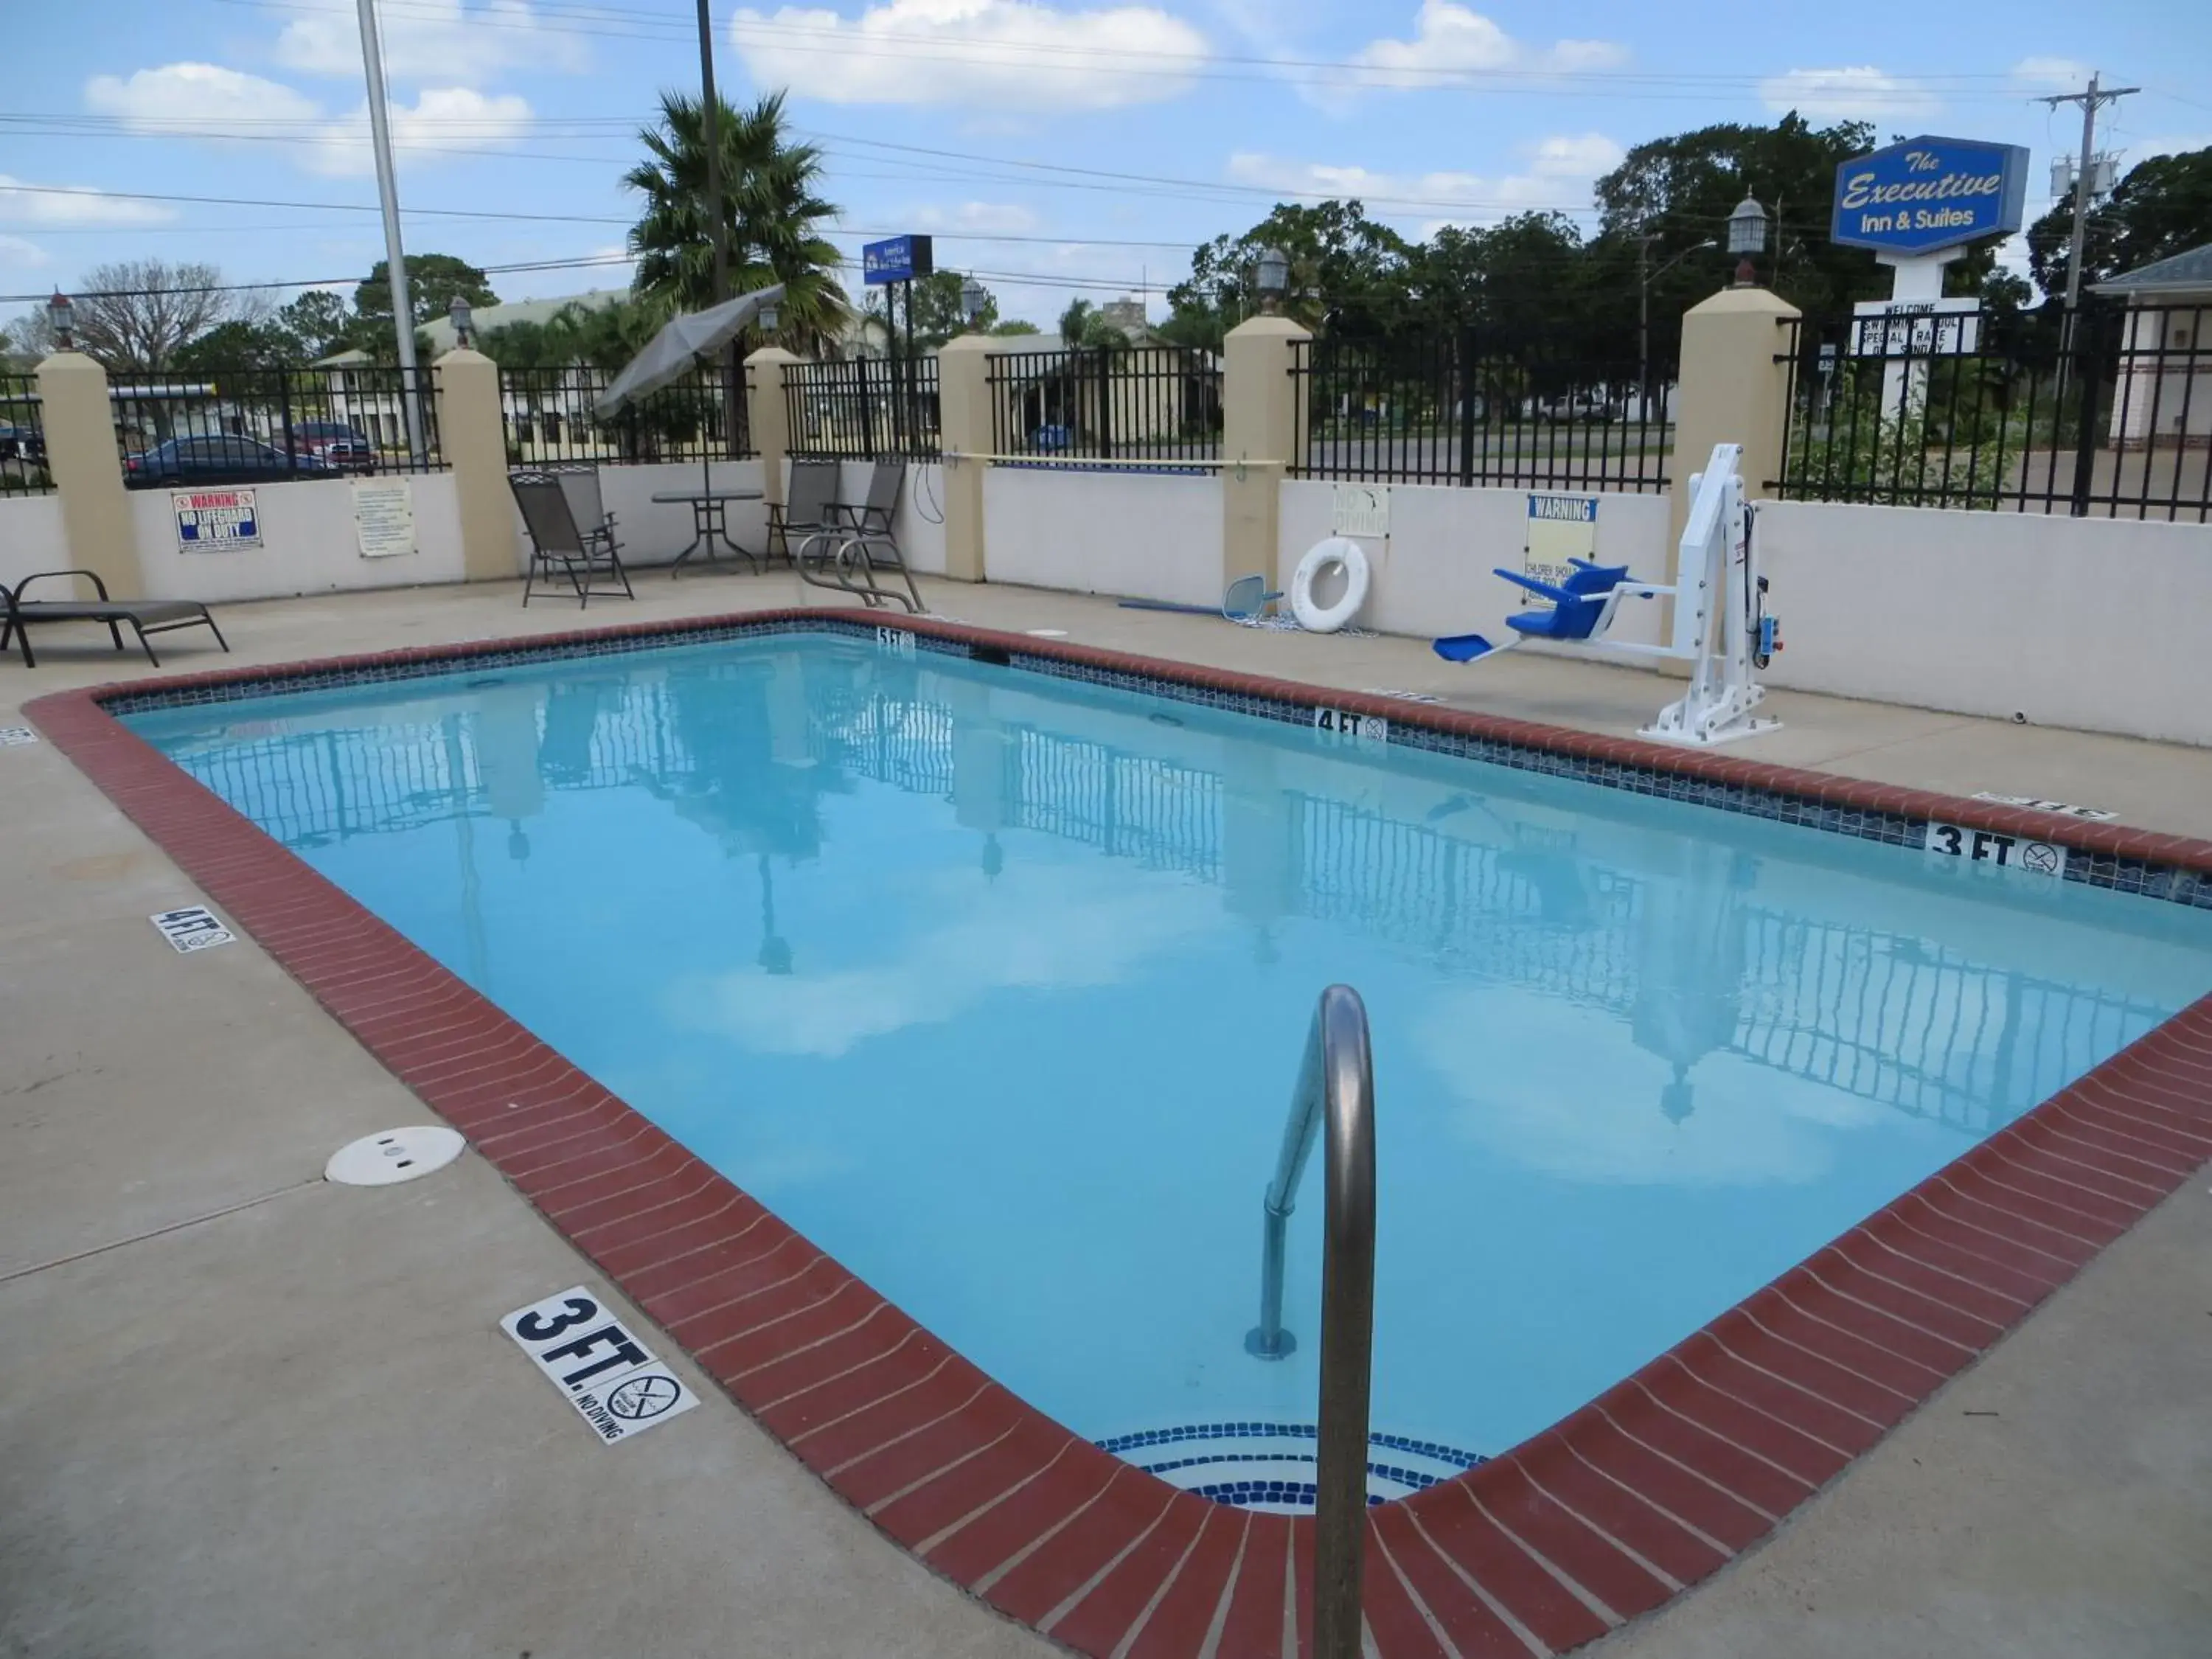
(22, 438)
(1133, 403)
(271, 425)
(1464, 408)
(550, 415)
(865, 406)
(2103, 413)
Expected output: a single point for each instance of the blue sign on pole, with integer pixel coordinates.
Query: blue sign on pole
(896, 259)
(1928, 194)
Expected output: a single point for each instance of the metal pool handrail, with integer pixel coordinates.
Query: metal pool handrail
(1336, 1086)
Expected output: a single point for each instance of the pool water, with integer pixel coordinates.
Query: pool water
(996, 984)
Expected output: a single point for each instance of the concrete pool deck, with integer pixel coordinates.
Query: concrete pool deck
(249, 1413)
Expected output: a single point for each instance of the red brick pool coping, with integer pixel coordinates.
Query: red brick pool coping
(1643, 1492)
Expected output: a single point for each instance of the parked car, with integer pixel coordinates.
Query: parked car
(218, 458)
(345, 446)
(22, 443)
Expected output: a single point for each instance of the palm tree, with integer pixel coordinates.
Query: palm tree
(768, 207)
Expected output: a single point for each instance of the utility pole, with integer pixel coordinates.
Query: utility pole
(710, 115)
(395, 256)
(2084, 170)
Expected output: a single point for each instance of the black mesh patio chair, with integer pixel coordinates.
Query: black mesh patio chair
(558, 544)
(579, 482)
(145, 617)
(811, 509)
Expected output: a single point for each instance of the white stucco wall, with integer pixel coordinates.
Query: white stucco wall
(2099, 625)
(31, 539)
(1140, 535)
(309, 545)
(1432, 575)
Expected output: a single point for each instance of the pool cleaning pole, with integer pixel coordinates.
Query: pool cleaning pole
(395, 256)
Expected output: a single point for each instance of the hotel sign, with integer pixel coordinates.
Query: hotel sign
(1928, 194)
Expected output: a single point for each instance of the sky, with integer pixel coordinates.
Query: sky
(1081, 148)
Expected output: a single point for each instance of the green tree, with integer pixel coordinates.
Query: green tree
(771, 215)
(1682, 189)
(1010, 327)
(1348, 275)
(236, 345)
(1083, 327)
(433, 282)
(2163, 206)
(318, 324)
(937, 311)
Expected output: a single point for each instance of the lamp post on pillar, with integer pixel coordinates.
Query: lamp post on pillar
(1746, 238)
(1271, 276)
(974, 299)
(61, 316)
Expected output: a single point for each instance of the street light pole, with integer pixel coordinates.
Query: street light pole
(395, 255)
(1644, 277)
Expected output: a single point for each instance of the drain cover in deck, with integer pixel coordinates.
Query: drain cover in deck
(396, 1155)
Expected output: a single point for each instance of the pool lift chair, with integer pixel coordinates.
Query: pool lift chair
(1721, 624)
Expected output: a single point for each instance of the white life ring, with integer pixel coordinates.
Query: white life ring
(1352, 558)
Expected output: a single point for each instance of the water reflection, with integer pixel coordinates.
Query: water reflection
(1690, 948)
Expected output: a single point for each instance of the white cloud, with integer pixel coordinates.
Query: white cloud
(205, 101)
(1060, 928)
(21, 253)
(1557, 176)
(1453, 43)
(1860, 93)
(976, 219)
(996, 54)
(1748, 1126)
(443, 41)
(2142, 150)
(77, 205)
(178, 98)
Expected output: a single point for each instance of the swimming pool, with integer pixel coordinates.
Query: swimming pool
(993, 985)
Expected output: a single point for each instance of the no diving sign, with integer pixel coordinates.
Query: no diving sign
(609, 1375)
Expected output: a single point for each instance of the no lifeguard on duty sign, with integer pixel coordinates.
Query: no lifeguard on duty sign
(215, 520)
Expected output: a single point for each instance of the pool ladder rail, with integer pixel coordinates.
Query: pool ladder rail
(1334, 1102)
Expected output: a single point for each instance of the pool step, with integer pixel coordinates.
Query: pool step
(1270, 1466)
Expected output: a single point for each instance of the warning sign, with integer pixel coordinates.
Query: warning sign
(611, 1378)
(1560, 528)
(215, 520)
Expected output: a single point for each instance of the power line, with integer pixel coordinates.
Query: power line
(606, 22)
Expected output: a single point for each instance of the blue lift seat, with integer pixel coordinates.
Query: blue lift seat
(1575, 608)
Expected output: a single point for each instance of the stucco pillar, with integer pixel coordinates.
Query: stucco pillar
(767, 416)
(472, 438)
(88, 472)
(1733, 391)
(1259, 425)
(964, 406)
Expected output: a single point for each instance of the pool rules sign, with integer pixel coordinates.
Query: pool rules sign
(585, 1351)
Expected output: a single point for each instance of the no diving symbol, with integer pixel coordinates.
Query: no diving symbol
(2040, 857)
(643, 1397)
